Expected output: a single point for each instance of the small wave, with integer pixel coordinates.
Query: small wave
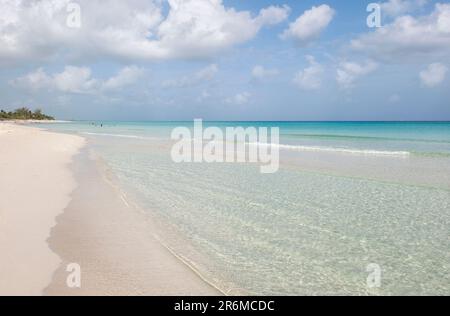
(365, 152)
(117, 135)
(362, 138)
(353, 151)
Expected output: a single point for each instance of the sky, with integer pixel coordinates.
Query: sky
(269, 60)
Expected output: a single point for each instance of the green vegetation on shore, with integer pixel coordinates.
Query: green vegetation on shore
(24, 114)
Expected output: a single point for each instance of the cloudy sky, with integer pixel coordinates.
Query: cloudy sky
(226, 59)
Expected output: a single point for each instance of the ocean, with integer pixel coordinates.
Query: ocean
(349, 197)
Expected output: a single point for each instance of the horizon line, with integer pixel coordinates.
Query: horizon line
(266, 121)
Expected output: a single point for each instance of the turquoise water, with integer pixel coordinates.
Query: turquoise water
(415, 137)
(346, 195)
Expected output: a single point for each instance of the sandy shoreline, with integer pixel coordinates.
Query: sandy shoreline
(27, 122)
(71, 214)
(35, 187)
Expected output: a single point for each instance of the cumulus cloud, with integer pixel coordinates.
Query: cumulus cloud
(409, 38)
(38, 29)
(273, 15)
(260, 72)
(349, 72)
(310, 78)
(433, 75)
(205, 74)
(126, 76)
(393, 8)
(74, 80)
(239, 99)
(310, 24)
(36, 80)
(77, 80)
(135, 29)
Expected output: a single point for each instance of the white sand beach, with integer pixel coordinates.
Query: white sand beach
(35, 186)
(54, 211)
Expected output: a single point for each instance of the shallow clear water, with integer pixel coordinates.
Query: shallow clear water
(313, 227)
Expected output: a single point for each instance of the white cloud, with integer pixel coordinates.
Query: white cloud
(349, 72)
(433, 75)
(240, 98)
(135, 29)
(125, 77)
(37, 29)
(77, 80)
(74, 80)
(36, 80)
(310, 77)
(408, 38)
(394, 8)
(205, 74)
(310, 25)
(260, 72)
(273, 15)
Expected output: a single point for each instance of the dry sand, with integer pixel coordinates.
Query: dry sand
(52, 215)
(35, 186)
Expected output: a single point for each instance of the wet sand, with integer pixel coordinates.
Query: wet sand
(113, 244)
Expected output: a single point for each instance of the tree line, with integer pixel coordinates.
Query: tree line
(24, 114)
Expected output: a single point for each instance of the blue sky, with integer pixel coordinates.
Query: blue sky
(226, 60)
